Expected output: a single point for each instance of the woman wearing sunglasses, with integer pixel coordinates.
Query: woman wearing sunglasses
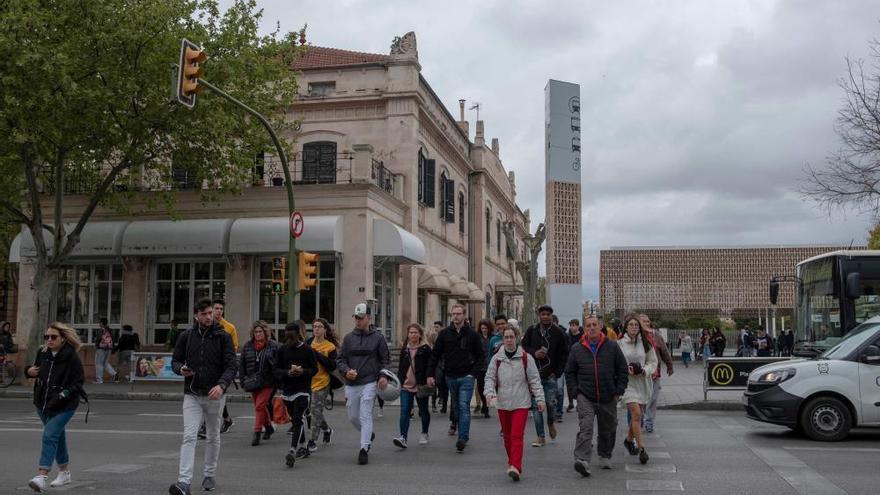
(57, 390)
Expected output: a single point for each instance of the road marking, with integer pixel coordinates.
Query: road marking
(158, 415)
(118, 468)
(659, 455)
(652, 468)
(654, 485)
(649, 442)
(111, 432)
(74, 485)
(834, 449)
(162, 454)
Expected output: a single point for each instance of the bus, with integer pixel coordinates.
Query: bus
(836, 291)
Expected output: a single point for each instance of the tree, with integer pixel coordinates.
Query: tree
(874, 237)
(86, 109)
(852, 174)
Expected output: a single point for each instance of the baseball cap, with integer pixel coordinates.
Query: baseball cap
(361, 310)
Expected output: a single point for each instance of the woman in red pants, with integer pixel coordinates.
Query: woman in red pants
(512, 380)
(255, 370)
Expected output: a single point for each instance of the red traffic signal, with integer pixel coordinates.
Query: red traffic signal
(189, 72)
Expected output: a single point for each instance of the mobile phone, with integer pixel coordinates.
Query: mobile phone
(184, 368)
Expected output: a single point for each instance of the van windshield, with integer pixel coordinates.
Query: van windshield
(851, 341)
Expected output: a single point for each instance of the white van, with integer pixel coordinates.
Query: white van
(826, 396)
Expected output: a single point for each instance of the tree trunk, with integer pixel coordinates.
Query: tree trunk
(45, 282)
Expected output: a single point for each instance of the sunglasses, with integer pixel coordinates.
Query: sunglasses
(50, 336)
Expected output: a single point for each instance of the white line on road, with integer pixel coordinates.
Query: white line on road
(111, 432)
(160, 415)
(654, 485)
(834, 449)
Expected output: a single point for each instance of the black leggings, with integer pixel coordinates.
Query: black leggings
(297, 410)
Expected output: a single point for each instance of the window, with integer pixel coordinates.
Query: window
(488, 228)
(447, 199)
(87, 293)
(322, 89)
(498, 236)
(179, 286)
(259, 170)
(461, 213)
(427, 170)
(319, 163)
(489, 305)
(444, 310)
(319, 302)
(384, 290)
(421, 301)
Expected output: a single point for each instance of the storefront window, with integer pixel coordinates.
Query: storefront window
(178, 287)
(383, 291)
(320, 302)
(87, 293)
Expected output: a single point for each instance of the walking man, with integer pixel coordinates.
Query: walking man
(362, 355)
(549, 346)
(575, 332)
(205, 357)
(219, 313)
(662, 353)
(597, 369)
(461, 350)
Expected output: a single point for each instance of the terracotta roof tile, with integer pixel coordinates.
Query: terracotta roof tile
(318, 57)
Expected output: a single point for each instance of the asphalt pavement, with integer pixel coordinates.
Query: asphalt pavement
(131, 447)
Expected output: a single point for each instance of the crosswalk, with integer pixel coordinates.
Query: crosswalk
(660, 465)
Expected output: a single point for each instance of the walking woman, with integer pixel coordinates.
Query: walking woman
(705, 345)
(719, 342)
(57, 390)
(295, 365)
(642, 361)
(255, 372)
(512, 380)
(413, 368)
(324, 343)
(485, 331)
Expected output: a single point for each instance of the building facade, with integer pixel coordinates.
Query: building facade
(404, 209)
(699, 281)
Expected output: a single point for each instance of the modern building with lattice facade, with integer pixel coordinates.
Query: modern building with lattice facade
(563, 198)
(700, 281)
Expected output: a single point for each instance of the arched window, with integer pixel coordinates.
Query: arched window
(460, 212)
(488, 227)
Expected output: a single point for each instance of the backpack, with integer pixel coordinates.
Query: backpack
(525, 361)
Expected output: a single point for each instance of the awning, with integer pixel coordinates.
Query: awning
(201, 237)
(458, 287)
(509, 289)
(97, 240)
(394, 242)
(432, 279)
(271, 235)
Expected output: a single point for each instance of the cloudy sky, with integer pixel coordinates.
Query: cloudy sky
(697, 116)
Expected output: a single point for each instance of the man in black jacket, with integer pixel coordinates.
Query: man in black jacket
(597, 368)
(549, 346)
(204, 355)
(462, 352)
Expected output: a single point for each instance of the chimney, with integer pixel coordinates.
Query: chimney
(462, 124)
(495, 147)
(461, 110)
(478, 137)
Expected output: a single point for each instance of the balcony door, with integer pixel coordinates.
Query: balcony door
(319, 162)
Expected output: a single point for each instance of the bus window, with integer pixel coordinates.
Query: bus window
(868, 304)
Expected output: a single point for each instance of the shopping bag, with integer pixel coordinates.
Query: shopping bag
(279, 412)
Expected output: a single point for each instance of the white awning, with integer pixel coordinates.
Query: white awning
(271, 235)
(209, 236)
(394, 242)
(97, 240)
(432, 279)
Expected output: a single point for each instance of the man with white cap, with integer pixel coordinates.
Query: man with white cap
(362, 356)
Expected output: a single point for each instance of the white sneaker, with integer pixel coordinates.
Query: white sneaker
(38, 482)
(423, 440)
(379, 414)
(62, 479)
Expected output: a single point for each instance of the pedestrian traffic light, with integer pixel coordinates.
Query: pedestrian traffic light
(279, 272)
(308, 270)
(189, 72)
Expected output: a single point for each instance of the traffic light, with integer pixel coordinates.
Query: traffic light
(308, 270)
(189, 72)
(279, 272)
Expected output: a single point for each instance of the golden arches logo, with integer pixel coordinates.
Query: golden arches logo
(722, 374)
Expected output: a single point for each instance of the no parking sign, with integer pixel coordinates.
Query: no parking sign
(297, 224)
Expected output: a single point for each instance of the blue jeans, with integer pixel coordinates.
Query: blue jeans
(54, 439)
(462, 390)
(560, 395)
(406, 405)
(549, 385)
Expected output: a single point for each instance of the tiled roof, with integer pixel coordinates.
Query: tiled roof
(319, 57)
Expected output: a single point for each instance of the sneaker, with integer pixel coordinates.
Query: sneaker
(605, 462)
(582, 467)
(302, 453)
(452, 430)
(363, 457)
(460, 445)
(379, 414)
(570, 408)
(38, 482)
(643, 456)
(551, 428)
(423, 440)
(557, 419)
(208, 484)
(226, 425)
(203, 432)
(268, 432)
(290, 430)
(649, 428)
(179, 488)
(290, 458)
(513, 473)
(328, 433)
(400, 442)
(372, 436)
(62, 479)
(97, 382)
(116, 378)
(256, 440)
(312, 446)
(539, 442)
(630, 446)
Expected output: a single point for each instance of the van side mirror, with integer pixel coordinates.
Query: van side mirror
(774, 291)
(854, 285)
(871, 355)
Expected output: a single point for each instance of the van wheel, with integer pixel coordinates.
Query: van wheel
(826, 419)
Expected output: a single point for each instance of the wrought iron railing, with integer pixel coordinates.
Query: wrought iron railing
(267, 171)
(384, 178)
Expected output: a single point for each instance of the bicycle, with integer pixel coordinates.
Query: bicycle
(8, 371)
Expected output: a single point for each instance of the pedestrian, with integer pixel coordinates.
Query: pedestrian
(547, 343)
(641, 361)
(789, 342)
(256, 375)
(512, 384)
(205, 357)
(171, 338)
(574, 334)
(362, 356)
(495, 341)
(719, 342)
(103, 350)
(219, 313)
(597, 370)
(486, 331)
(7, 340)
(415, 356)
(442, 390)
(128, 343)
(705, 345)
(462, 352)
(685, 346)
(662, 353)
(57, 391)
(747, 343)
(295, 365)
(763, 343)
(325, 344)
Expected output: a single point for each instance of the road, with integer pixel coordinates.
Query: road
(131, 447)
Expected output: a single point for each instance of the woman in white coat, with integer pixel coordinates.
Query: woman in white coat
(512, 380)
(638, 350)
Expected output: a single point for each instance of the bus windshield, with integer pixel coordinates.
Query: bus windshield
(818, 311)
